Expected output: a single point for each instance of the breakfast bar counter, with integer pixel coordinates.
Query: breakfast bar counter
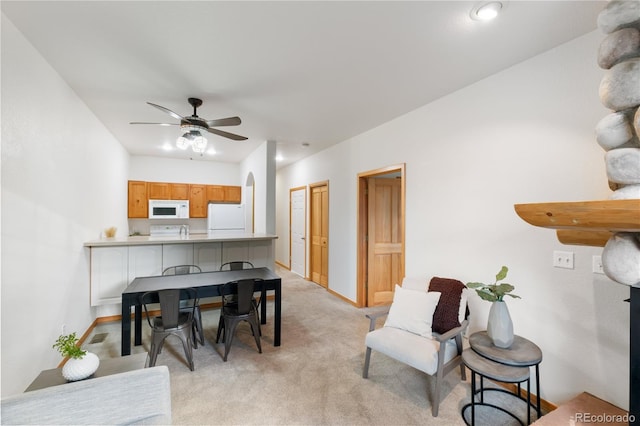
(210, 237)
(116, 262)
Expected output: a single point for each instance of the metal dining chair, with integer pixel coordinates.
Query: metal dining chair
(241, 309)
(173, 320)
(198, 332)
(238, 265)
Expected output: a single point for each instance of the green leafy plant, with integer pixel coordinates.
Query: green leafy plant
(68, 346)
(494, 292)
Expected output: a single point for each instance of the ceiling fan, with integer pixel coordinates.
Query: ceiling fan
(193, 126)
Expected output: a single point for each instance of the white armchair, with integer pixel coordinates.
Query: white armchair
(407, 333)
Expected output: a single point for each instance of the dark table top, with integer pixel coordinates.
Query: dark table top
(203, 279)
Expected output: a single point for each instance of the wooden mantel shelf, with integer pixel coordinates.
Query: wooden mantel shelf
(584, 222)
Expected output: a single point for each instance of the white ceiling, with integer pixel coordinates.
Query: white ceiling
(295, 72)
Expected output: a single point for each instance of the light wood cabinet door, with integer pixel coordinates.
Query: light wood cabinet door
(232, 194)
(159, 191)
(138, 203)
(215, 193)
(197, 201)
(179, 191)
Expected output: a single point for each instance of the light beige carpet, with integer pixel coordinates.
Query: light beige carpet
(313, 378)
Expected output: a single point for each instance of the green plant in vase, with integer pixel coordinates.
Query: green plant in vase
(80, 363)
(499, 324)
(67, 345)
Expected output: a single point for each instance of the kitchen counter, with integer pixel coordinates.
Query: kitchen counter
(211, 237)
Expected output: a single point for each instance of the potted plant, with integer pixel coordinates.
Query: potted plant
(499, 324)
(80, 364)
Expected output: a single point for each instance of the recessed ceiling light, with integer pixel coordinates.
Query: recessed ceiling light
(486, 11)
(279, 158)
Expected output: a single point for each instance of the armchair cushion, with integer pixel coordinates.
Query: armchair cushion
(409, 348)
(412, 311)
(450, 311)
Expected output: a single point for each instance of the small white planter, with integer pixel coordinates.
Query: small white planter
(499, 325)
(78, 369)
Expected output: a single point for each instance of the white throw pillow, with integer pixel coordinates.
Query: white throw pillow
(412, 310)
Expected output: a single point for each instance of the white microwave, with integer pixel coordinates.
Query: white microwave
(168, 209)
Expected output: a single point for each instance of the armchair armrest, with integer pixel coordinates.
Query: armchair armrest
(452, 333)
(375, 314)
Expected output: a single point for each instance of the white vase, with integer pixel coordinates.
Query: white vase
(499, 325)
(80, 368)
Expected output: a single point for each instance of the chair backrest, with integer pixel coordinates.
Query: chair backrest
(243, 290)
(169, 300)
(236, 265)
(182, 270)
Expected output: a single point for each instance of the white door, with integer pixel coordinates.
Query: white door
(297, 231)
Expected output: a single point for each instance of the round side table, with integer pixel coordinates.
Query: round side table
(510, 365)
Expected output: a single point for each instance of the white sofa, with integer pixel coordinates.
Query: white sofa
(136, 397)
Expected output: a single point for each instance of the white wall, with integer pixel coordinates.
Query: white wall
(261, 163)
(158, 169)
(523, 135)
(62, 184)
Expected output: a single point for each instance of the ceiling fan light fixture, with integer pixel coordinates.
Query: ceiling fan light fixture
(183, 142)
(199, 143)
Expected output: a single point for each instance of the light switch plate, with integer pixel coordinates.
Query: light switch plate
(563, 259)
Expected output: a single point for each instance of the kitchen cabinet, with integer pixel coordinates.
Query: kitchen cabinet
(232, 194)
(144, 261)
(215, 193)
(207, 256)
(176, 254)
(109, 274)
(168, 191)
(159, 191)
(197, 201)
(224, 193)
(179, 191)
(138, 202)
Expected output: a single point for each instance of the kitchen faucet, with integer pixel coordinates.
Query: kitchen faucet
(186, 230)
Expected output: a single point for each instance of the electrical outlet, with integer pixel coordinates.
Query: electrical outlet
(597, 265)
(563, 259)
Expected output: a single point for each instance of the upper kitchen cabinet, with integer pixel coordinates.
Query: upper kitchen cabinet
(224, 194)
(179, 191)
(215, 193)
(138, 204)
(197, 201)
(232, 194)
(168, 191)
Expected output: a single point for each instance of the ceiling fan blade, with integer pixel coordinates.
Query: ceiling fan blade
(229, 121)
(227, 135)
(168, 111)
(159, 124)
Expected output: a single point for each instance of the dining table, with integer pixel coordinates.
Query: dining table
(207, 284)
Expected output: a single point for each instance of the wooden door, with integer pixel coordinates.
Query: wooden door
(385, 254)
(320, 235)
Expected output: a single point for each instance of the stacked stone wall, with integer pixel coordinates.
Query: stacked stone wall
(619, 132)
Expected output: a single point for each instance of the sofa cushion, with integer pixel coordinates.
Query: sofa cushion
(135, 397)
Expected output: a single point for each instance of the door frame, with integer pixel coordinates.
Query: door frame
(305, 260)
(363, 225)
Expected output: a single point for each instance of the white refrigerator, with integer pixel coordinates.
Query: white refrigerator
(226, 218)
